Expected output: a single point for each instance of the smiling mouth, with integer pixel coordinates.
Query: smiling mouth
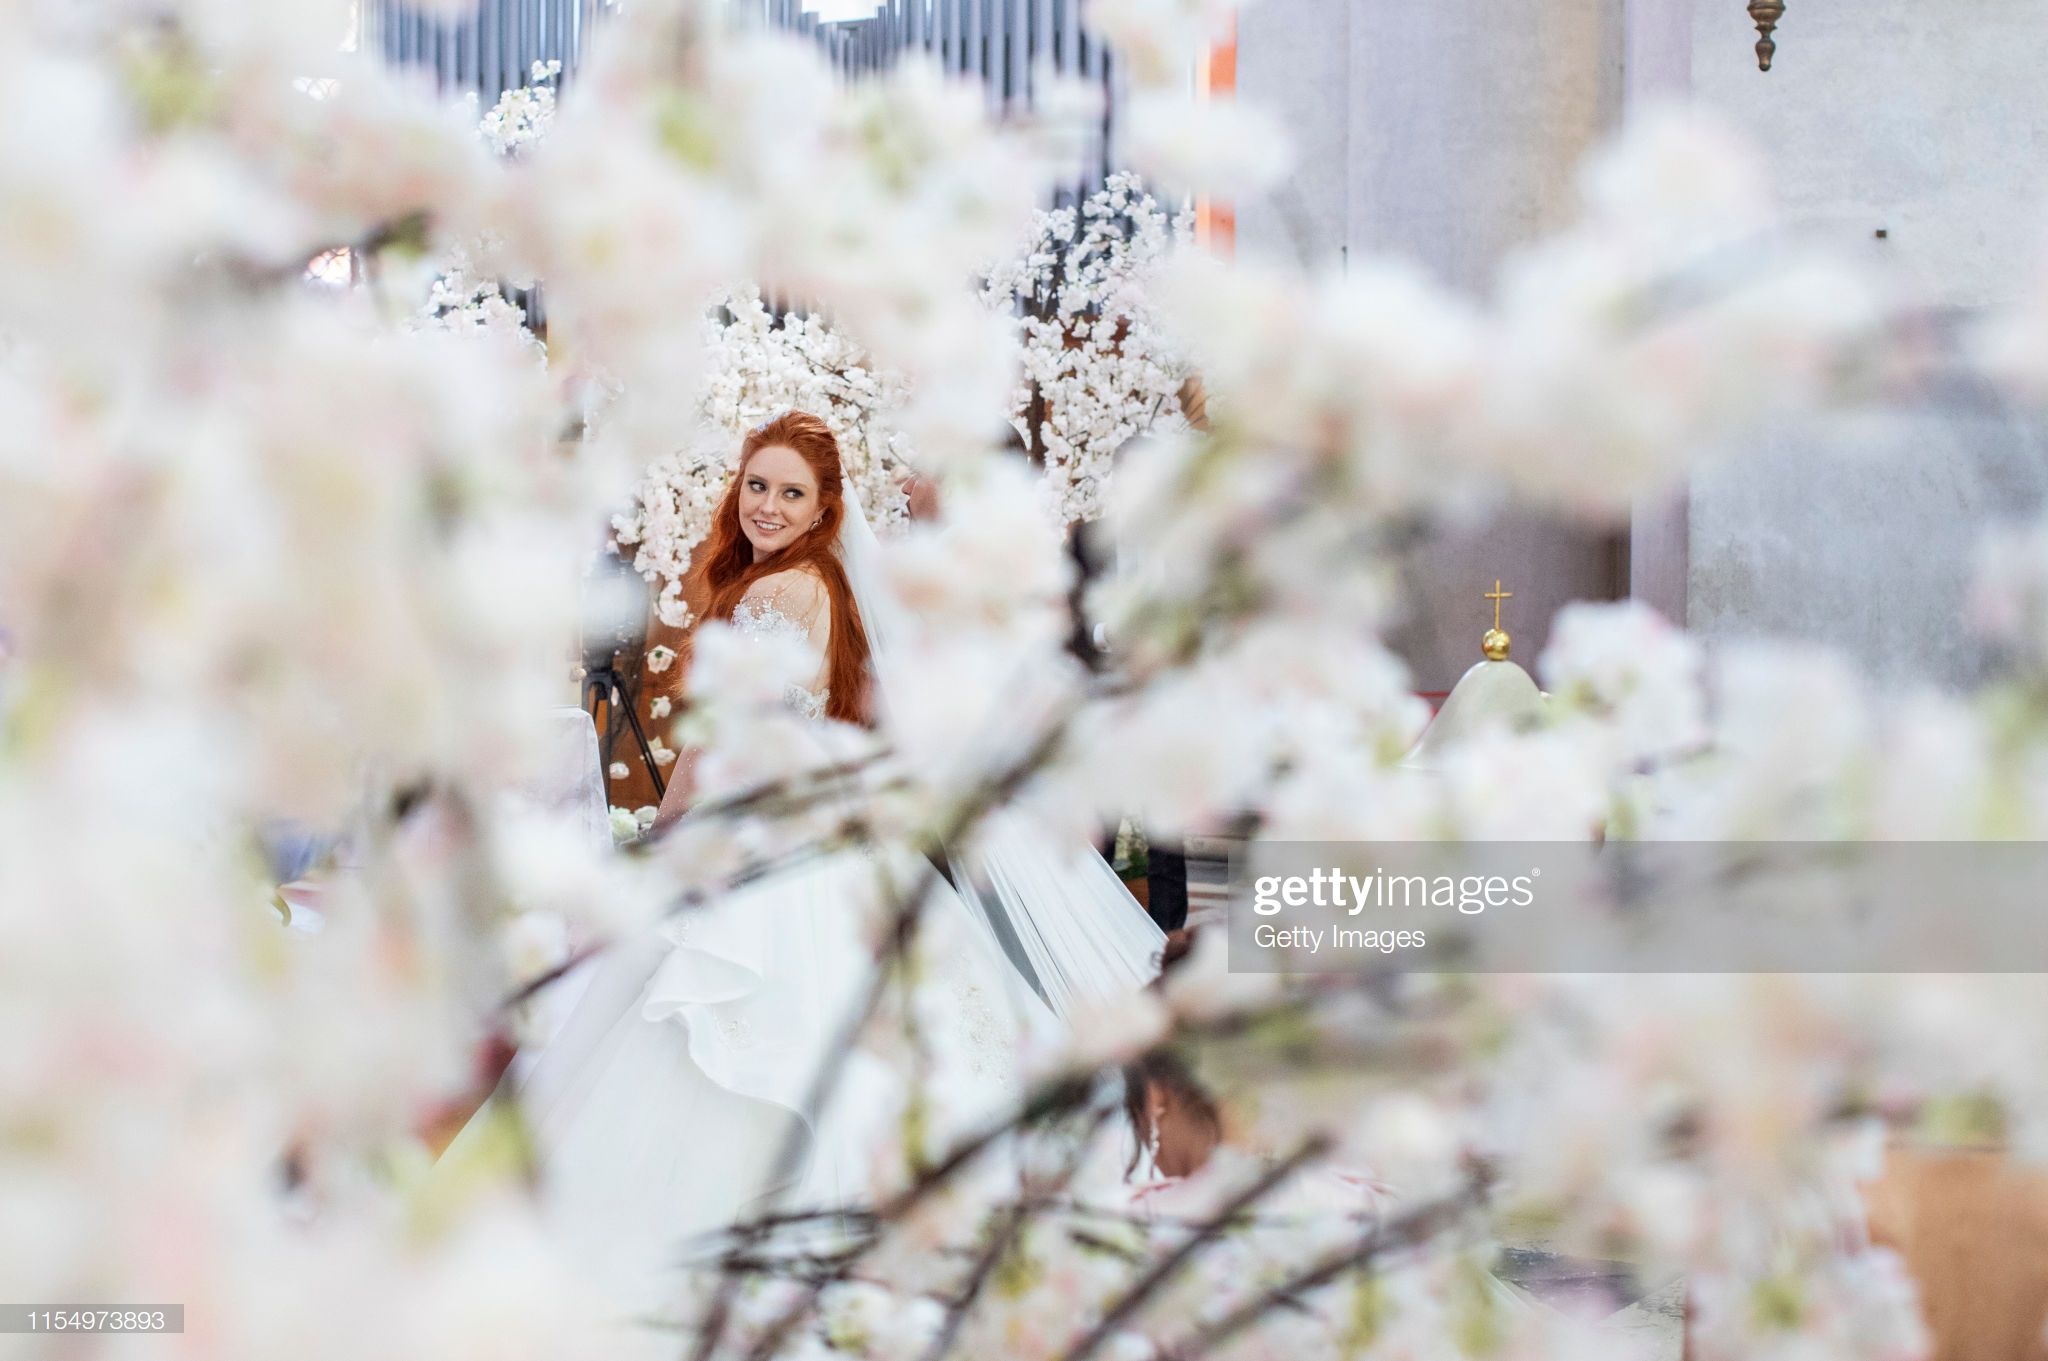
(767, 527)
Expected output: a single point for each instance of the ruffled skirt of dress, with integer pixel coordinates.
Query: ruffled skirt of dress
(659, 1107)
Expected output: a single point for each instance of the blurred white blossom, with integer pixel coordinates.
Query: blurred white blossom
(281, 567)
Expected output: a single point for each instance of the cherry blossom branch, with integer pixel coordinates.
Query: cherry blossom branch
(1054, 1097)
(1014, 1219)
(792, 793)
(1408, 1230)
(1162, 1271)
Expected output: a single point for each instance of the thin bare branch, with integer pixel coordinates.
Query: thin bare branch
(1417, 1226)
(1163, 1271)
(1014, 1221)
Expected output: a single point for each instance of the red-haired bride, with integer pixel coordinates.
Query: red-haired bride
(670, 1100)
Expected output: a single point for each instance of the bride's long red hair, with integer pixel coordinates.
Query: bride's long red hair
(725, 565)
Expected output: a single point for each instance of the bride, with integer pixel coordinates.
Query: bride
(687, 1066)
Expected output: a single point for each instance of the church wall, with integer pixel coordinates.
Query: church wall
(1922, 121)
(1858, 532)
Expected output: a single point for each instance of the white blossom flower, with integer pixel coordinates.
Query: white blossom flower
(534, 942)
(1202, 986)
(1174, 784)
(1540, 786)
(1161, 38)
(1626, 664)
(1116, 1030)
(2008, 600)
(1933, 775)
(727, 667)
(522, 115)
(1207, 145)
(1678, 179)
(464, 304)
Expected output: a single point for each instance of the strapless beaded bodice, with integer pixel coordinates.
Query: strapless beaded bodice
(757, 617)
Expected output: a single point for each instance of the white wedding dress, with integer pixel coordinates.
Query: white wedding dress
(660, 1105)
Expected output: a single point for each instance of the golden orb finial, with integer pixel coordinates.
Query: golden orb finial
(1495, 643)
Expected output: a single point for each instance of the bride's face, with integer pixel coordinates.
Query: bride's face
(778, 499)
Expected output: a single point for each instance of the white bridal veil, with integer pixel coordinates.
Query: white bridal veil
(1060, 913)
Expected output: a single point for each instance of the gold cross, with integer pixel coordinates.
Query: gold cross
(1496, 595)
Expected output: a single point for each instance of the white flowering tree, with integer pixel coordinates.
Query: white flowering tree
(460, 298)
(522, 114)
(1098, 370)
(458, 301)
(323, 567)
